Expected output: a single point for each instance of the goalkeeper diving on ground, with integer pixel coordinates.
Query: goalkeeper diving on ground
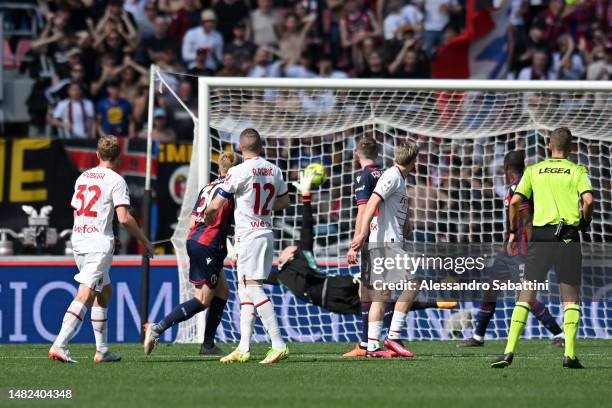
(298, 270)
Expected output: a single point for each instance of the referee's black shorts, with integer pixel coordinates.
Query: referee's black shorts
(546, 251)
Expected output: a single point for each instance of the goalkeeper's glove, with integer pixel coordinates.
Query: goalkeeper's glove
(304, 184)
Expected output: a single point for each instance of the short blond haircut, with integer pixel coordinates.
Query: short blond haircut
(109, 148)
(226, 161)
(406, 153)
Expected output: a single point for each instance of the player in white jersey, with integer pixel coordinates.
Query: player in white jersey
(99, 193)
(390, 199)
(259, 189)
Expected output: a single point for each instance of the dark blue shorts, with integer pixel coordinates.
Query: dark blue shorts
(205, 264)
(506, 267)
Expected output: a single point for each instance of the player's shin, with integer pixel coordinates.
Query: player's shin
(247, 319)
(71, 324)
(397, 323)
(213, 319)
(517, 324)
(99, 322)
(541, 312)
(182, 312)
(482, 319)
(374, 330)
(365, 312)
(571, 322)
(265, 310)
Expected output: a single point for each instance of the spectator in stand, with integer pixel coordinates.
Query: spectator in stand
(146, 21)
(205, 36)
(117, 18)
(107, 71)
(410, 62)
(601, 69)
(262, 67)
(400, 15)
(130, 74)
(113, 113)
(180, 119)
(229, 12)
(326, 68)
(151, 47)
(293, 37)
(184, 18)
(437, 16)
(567, 63)
(523, 51)
(557, 18)
(199, 67)
(161, 131)
(539, 69)
(357, 25)
(55, 43)
(375, 67)
(264, 22)
(302, 69)
(229, 66)
(73, 116)
(59, 85)
(240, 47)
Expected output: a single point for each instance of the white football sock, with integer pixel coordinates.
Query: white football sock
(477, 337)
(374, 329)
(71, 324)
(265, 310)
(99, 322)
(247, 320)
(397, 323)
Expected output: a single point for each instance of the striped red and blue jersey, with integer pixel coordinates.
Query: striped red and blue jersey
(365, 182)
(214, 235)
(526, 205)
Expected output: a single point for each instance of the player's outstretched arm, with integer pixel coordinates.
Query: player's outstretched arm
(130, 224)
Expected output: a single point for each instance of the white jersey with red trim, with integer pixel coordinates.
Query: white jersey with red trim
(388, 225)
(256, 184)
(97, 192)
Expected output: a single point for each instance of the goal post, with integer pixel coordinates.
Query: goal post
(463, 128)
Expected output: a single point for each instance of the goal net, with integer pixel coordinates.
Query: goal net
(463, 129)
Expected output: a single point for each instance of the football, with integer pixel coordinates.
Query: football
(319, 173)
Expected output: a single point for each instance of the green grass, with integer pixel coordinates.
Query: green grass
(315, 375)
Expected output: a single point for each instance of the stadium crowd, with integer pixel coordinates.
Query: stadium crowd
(90, 60)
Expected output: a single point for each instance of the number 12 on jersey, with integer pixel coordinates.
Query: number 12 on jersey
(268, 192)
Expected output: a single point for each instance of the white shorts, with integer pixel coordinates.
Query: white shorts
(255, 256)
(94, 269)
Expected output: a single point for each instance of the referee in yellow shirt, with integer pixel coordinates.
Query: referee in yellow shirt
(557, 185)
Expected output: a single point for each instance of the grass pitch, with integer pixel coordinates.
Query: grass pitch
(315, 375)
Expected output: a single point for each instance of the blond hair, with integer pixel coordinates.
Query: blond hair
(108, 148)
(368, 148)
(406, 153)
(226, 161)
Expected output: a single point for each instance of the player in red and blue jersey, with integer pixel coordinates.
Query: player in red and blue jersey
(365, 182)
(509, 262)
(207, 249)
